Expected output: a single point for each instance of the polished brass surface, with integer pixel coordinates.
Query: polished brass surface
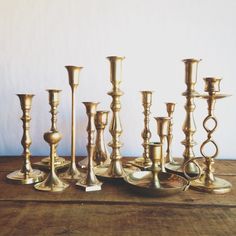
(115, 169)
(73, 73)
(90, 181)
(208, 182)
(155, 182)
(144, 162)
(163, 124)
(26, 175)
(52, 183)
(101, 155)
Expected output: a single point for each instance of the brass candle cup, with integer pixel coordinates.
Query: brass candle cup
(52, 183)
(90, 181)
(101, 155)
(26, 175)
(73, 75)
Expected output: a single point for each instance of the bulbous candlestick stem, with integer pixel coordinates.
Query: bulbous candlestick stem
(26, 175)
(52, 183)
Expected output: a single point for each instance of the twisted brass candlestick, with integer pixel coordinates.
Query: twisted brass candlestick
(189, 126)
(163, 124)
(73, 73)
(145, 162)
(115, 169)
(26, 175)
(90, 182)
(208, 182)
(101, 155)
(52, 183)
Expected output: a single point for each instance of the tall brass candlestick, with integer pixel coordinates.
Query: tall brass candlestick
(26, 175)
(145, 162)
(101, 155)
(90, 182)
(115, 169)
(52, 183)
(163, 124)
(73, 73)
(208, 182)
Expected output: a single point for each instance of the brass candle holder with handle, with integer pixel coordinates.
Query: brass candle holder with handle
(73, 73)
(52, 183)
(189, 126)
(90, 181)
(26, 175)
(207, 181)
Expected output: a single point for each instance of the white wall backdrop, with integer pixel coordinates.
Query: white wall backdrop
(39, 37)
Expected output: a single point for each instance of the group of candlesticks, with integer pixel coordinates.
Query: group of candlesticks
(162, 173)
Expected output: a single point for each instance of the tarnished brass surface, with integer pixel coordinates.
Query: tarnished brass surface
(73, 73)
(89, 182)
(155, 182)
(115, 168)
(52, 183)
(101, 155)
(163, 124)
(208, 182)
(26, 175)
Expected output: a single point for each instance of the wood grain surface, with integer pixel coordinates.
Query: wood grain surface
(115, 210)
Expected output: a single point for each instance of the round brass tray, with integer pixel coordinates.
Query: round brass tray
(141, 181)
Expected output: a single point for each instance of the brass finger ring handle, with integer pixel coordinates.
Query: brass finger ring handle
(193, 160)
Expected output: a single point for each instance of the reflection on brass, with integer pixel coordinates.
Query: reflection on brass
(26, 175)
(73, 73)
(101, 156)
(144, 162)
(163, 124)
(155, 182)
(52, 183)
(90, 181)
(115, 169)
(208, 182)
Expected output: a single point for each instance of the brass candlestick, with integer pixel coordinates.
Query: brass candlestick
(208, 182)
(101, 155)
(145, 162)
(26, 175)
(90, 182)
(73, 73)
(189, 126)
(52, 183)
(170, 107)
(163, 124)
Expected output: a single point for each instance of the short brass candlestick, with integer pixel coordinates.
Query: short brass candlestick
(163, 124)
(208, 182)
(189, 126)
(90, 181)
(115, 169)
(73, 73)
(52, 183)
(26, 175)
(145, 162)
(101, 155)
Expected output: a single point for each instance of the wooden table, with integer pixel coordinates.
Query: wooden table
(115, 210)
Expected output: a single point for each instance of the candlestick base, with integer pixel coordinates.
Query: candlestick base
(71, 173)
(218, 186)
(58, 160)
(46, 166)
(141, 163)
(18, 177)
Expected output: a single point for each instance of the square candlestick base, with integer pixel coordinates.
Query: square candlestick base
(88, 188)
